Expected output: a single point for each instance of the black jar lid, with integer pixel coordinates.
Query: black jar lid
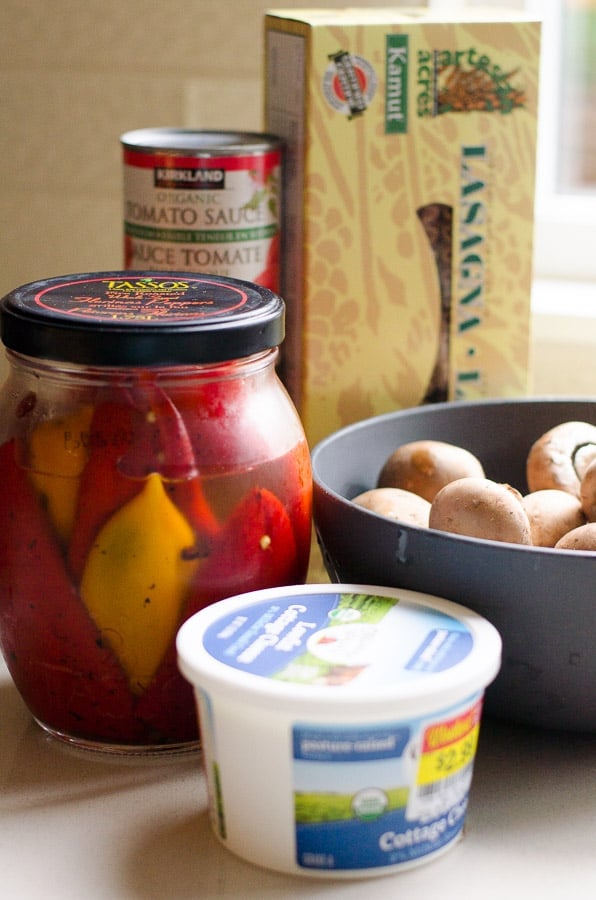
(127, 318)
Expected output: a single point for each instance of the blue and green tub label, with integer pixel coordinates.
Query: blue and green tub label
(365, 795)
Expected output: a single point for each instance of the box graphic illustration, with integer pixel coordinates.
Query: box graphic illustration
(408, 205)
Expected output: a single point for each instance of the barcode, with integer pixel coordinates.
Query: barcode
(443, 784)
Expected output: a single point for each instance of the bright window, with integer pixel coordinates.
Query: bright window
(565, 235)
(576, 163)
(565, 241)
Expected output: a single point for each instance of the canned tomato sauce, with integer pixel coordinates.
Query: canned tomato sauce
(203, 201)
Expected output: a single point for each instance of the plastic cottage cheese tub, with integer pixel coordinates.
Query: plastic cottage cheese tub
(339, 723)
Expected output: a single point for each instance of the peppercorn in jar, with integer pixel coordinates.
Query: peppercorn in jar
(152, 463)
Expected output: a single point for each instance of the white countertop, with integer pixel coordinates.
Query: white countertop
(77, 825)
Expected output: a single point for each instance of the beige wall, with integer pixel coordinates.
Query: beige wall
(76, 74)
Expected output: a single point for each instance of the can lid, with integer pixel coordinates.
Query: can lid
(352, 647)
(123, 318)
(199, 143)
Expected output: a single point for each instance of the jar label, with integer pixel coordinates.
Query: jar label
(144, 299)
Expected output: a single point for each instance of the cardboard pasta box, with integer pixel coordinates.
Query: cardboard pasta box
(408, 205)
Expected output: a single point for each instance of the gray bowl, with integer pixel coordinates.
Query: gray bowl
(542, 601)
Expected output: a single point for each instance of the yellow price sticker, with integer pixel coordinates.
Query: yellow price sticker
(449, 746)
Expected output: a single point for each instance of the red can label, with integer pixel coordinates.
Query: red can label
(218, 215)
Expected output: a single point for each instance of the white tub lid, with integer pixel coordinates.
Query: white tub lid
(338, 645)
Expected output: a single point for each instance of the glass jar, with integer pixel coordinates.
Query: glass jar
(152, 463)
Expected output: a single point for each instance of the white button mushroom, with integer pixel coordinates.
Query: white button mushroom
(425, 466)
(552, 514)
(587, 492)
(481, 508)
(582, 538)
(559, 458)
(395, 503)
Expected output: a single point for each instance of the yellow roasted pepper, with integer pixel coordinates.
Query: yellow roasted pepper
(57, 456)
(136, 580)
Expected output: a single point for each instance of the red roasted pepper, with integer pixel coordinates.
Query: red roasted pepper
(103, 489)
(162, 445)
(214, 415)
(257, 549)
(67, 676)
(167, 709)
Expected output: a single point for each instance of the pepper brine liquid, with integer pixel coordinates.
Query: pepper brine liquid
(136, 494)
